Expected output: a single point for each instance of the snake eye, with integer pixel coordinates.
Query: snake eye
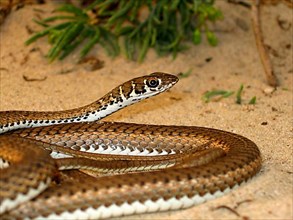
(152, 83)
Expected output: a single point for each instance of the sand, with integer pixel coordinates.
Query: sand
(233, 62)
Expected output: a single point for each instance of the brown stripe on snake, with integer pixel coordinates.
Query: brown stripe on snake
(160, 167)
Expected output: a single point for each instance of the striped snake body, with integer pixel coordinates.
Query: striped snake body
(142, 168)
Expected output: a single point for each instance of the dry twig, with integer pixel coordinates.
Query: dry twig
(271, 78)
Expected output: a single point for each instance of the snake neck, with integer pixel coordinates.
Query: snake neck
(108, 104)
(124, 95)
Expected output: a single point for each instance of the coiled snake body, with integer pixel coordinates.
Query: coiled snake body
(143, 168)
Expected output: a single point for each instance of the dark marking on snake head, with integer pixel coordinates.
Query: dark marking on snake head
(137, 92)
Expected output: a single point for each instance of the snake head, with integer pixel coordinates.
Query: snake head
(160, 81)
(149, 85)
(129, 93)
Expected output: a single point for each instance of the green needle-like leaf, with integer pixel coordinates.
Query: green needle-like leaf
(172, 44)
(252, 101)
(90, 43)
(125, 30)
(42, 23)
(144, 48)
(121, 12)
(68, 35)
(185, 74)
(222, 93)
(212, 38)
(86, 32)
(59, 17)
(129, 45)
(238, 95)
(196, 37)
(94, 4)
(46, 31)
(109, 42)
(72, 9)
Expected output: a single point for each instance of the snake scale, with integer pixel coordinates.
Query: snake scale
(141, 168)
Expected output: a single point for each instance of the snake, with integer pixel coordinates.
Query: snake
(140, 168)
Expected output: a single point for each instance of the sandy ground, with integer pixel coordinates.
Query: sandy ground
(234, 61)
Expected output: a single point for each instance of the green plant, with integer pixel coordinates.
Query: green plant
(252, 101)
(207, 96)
(184, 74)
(238, 94)
(165, 26)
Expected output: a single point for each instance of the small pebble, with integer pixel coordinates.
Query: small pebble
(264, 123)
(274, 109)
(269, 90)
